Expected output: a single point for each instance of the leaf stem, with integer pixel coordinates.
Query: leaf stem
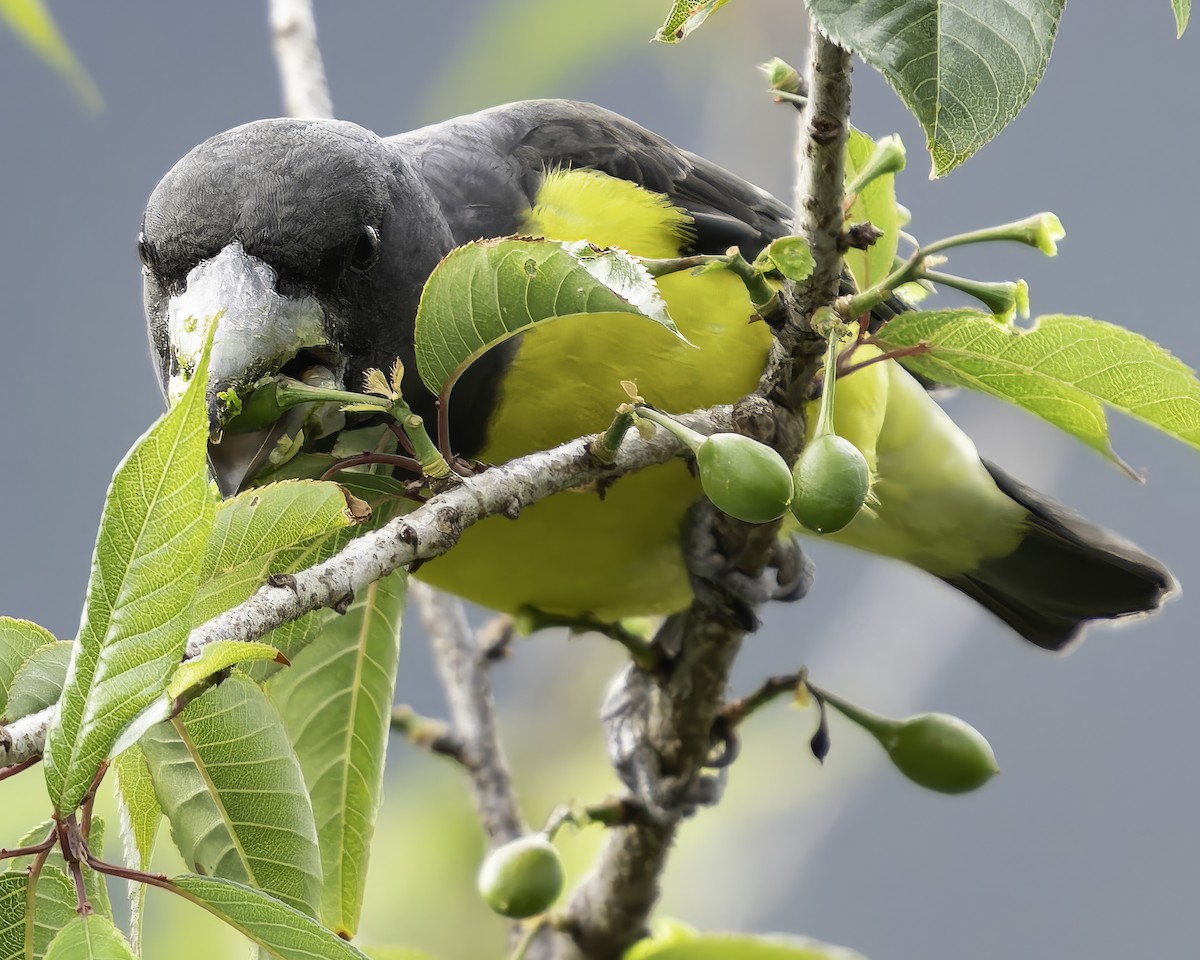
(734, 712)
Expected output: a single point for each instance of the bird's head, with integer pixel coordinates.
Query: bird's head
(312, 240)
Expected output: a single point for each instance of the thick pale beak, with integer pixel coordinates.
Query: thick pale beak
(236, 458)
(259, 331)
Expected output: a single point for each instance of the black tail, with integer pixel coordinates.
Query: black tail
(1065, 573)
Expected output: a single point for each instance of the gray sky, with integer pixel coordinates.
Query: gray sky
(1086, 845)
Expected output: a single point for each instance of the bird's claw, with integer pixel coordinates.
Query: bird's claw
(664, 796)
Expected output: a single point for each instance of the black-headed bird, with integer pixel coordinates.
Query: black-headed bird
(315, 237)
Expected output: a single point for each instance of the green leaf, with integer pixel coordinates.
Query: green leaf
(13, 895)
(39, 682)
(683, 944)
(686, 16)
(94, 885)
(137, 614)
(875, 202)
(215, 658)
(266, 530)
(53, 908)
(90, 938)
(790, 256)
(33, 25)
(487, 291)
(1064, 369)
(963, 69)
(140, 819)
(285, 931)
(93, 882)
(350, 672)
(1183, 10)
(229, 783)
(396, 953)
(529, 32)
(18, 640)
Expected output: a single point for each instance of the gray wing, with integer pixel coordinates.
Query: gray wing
(485, 169)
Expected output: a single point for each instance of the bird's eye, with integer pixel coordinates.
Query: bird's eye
(366, 250)
(145, 252)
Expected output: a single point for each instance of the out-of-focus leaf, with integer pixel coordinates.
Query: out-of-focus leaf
(282, 929)
(231, 786)
(875, 202)
(350, 671)
(90, 937)
(18, 641)
(531, 33)
(964, 70)
(1064, 369)
(1183, 11)
(681, 944)
(30, 20)
(39, 682)
(153, 531)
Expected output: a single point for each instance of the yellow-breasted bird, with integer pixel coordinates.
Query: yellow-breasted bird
(315, 237)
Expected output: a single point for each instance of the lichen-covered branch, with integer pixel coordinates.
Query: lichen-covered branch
(427, 532)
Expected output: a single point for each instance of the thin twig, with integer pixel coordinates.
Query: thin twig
(301, 72)
(734, 712)
(463, 672)
(436, 736)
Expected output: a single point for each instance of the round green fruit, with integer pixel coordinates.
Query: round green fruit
(831, 479)
(942, 753)
(522, 878)
(744, 478)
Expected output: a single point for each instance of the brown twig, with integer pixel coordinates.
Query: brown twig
(436, 736)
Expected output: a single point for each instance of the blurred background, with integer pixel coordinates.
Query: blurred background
(1086, 846)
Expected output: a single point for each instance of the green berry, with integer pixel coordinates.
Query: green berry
(832, 479)
(522, 878)
(941, 753)
(744, 478)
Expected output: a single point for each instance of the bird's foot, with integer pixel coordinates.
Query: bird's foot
(664, 794)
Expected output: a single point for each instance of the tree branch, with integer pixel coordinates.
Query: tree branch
(468, 689)
(669, 720)
(427, 532)
(821, 152)
(301, 71)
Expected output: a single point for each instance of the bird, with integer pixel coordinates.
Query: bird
(314, 237)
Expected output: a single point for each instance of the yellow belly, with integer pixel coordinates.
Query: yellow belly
(576, 554)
